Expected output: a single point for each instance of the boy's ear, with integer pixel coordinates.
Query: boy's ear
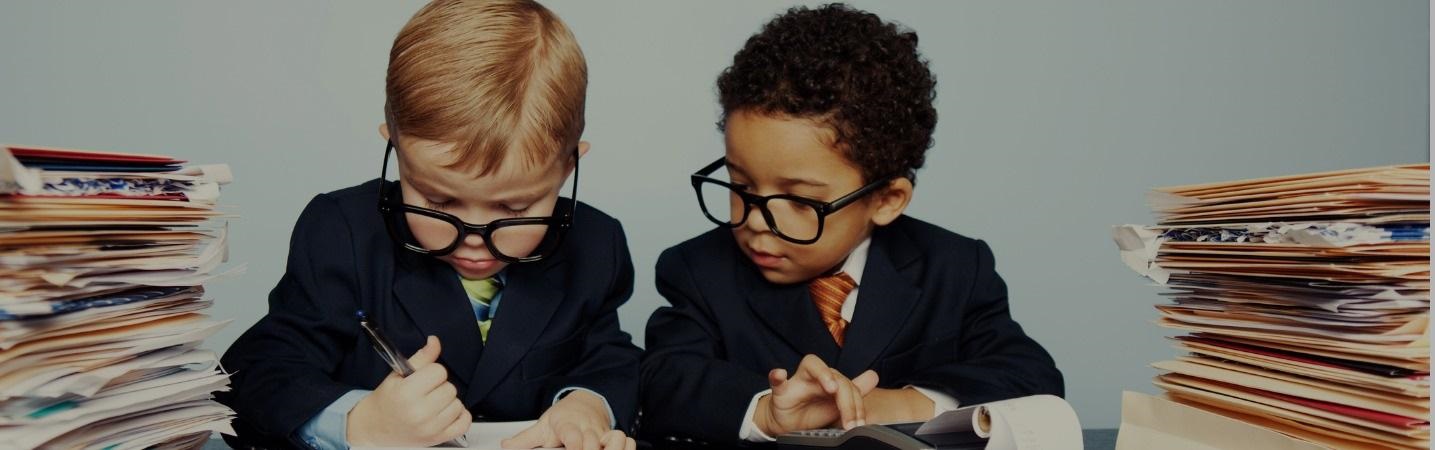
(892, 201)
(583, 148)
(384, 131)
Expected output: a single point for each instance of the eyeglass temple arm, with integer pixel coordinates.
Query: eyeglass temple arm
(849, 198)
(384, 171)
(574, 194)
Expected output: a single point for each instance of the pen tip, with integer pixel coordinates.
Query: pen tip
(359, 314)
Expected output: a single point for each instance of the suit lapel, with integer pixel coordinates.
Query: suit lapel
(429, 291)
(788, 311)
(885, 300)
(531, 297)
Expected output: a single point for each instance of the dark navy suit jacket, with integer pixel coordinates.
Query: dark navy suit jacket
(558, 326)
(931, 312)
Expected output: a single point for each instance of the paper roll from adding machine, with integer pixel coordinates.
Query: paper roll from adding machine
(1044, 422)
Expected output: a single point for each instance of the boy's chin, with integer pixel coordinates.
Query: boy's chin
(778, 276)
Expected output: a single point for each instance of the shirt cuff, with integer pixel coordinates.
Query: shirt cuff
(749, 431)
(328, 430)
(940, 402)
(612, 420)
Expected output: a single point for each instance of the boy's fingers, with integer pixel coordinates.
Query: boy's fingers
(846, 409)
(776, 377)
(866, 381)
(427, 411)
(532, 437)
(459, 426)
(615, 440)
(591, 442)
(443, 394)
(450, 413)
(570, 437)
(854, 394)
(859, 403)
(392, 380)
(814, 369)
(424, 381)
(426, 355)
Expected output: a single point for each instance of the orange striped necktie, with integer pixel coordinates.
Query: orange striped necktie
(829, 293)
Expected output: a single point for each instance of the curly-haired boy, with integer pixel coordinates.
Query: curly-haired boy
(827, 115)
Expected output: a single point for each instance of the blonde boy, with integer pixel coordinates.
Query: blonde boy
(504, 292)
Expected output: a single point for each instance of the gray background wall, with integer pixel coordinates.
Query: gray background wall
(1055, 117)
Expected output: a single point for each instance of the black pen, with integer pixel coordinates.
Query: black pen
(396, 360)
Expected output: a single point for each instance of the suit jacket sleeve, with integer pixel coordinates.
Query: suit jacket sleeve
(689, 389)
(996, 359)
(609, 364)
(282, 366)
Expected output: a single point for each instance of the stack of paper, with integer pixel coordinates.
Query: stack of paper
(102, 260)
(1306, 299)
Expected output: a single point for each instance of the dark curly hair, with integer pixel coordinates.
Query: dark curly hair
(848, 69)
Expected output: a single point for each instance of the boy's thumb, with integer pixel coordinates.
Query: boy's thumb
(426, 355)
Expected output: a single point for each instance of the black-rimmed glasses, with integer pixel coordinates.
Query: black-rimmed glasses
(793, 218)
(436, 233)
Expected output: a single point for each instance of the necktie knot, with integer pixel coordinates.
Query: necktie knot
(482, 290)
(829, 293)
(480, 295)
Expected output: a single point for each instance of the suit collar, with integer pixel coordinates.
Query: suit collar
(429, 291)
(885, 300)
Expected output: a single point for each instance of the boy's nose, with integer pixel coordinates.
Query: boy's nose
(756, 221)
(473, 240)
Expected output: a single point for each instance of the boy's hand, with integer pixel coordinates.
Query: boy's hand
(903, 405)
(579, 421)
(814, 397)
(420, 410)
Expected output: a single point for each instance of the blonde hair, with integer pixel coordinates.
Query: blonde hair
(487, 76)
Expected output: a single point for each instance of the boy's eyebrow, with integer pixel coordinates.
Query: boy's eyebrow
(425, 188)
(784, 181)
(788, 181)
(522, 197)
(733, 167)
(530, 193)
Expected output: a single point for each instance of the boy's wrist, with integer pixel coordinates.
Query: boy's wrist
(897, 405)
(919, 406)
(354, 426)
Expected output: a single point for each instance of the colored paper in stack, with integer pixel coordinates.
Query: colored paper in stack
(103, 257)
(1306, 300)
